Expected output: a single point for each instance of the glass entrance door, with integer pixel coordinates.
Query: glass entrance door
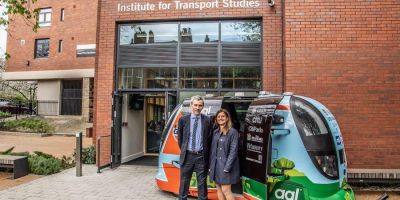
(155, 120)
(158, 109)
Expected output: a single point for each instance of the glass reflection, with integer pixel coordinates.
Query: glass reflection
(199, 77)
(135, 78)
(148, 33)
(241, 77)
(242, 31)
(199, 32)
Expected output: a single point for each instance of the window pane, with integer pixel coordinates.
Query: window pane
(244, 31)
(48, 17)
(134, 78)
(41, 18)
(42, 48)
(45, 17)
(148, 33)
(199, 32)
(308, 120)
(199, 77)
(241, 77)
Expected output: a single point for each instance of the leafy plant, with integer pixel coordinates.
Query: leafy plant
(5, 114)
(67, 162)
(44, 166)
(7, 152)
(36, 125)
(88, 155)
(42, 163)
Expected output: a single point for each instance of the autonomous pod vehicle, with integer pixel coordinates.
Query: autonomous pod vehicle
(291, 148)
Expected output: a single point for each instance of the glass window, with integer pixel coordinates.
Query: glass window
(62, 14)
(241, 31)
(45, 17)
(42, 48)
(135, 78)
(199, 32)
(148, 33)
(60, 46)
(241, 77)
(199, 77)
(309, 122)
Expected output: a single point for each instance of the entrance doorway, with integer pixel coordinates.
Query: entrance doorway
(143, 117)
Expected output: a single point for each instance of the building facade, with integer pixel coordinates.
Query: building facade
(60, 56)
(152, 54)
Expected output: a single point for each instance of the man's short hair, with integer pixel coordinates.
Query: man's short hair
(197, 98)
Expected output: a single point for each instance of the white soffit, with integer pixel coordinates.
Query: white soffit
(47, 74)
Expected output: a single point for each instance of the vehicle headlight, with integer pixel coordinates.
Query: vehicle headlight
(328, 164)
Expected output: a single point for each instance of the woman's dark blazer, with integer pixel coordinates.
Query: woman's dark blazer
(229, 156)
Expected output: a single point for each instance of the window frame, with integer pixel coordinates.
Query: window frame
(36, 47)
(45, 12)
(62, 14)
(60, 46)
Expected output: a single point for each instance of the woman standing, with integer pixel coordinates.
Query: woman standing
(224, 162)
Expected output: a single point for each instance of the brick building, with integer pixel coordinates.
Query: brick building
(152, 54)
(343, 53)
(60, 56)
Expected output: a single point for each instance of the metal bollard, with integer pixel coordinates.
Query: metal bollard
(98, 154)
(78, 156)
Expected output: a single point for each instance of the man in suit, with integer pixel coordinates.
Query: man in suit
(194, 133)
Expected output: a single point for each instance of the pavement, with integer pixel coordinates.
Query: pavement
(125, 182)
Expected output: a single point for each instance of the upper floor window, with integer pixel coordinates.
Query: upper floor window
(42, 48)
(62, 14)
(45, 17)
(241, 31)
(199, 32)
(149, 33)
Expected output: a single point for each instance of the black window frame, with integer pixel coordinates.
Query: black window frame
(36, 47)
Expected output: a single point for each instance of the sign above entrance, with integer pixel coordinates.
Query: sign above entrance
(181, 5)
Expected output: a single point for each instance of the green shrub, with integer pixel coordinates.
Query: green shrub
(88, 155)
(35, 125)
(67, 162)
(44, 166)
(42, 163)
(5, 114)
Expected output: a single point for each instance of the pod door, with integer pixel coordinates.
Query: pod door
(256, 147)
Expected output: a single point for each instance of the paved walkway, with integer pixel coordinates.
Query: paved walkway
(125, 182)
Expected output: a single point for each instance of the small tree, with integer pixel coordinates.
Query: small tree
(24, 91)
(13, 8)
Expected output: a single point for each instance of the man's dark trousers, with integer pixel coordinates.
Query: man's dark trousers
(194, 162)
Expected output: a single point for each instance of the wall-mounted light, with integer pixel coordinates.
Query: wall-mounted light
(27, 63)
(271, 3)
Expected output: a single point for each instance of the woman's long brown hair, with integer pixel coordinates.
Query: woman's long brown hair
(228, 123)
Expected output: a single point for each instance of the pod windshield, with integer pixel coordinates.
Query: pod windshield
(316, 137)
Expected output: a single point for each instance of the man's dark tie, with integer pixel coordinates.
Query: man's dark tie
(193, 142)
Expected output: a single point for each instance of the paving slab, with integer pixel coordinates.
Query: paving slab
(125, 182)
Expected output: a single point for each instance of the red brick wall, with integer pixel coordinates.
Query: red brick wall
(346, 54)
(272, 42)
(78, 27)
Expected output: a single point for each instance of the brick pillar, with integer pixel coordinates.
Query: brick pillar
(85, 98)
